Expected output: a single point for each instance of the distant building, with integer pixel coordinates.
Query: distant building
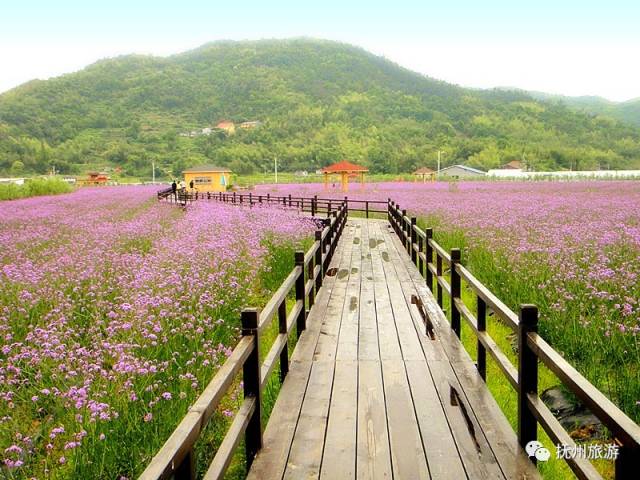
(424, 174)
(228, 126)
(208, 178)
(95, 178)
(460, 171)
(251, 124)
(15, 181)
(513, 165)
(518, 174)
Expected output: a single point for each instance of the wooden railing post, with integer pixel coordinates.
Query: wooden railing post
(318, 261)
(250, 199)
(314, 203)
(268, 198)
(626, 463)
(455, 291)
(405, 232)
(389, 206)
(301, 321)
(289, 199)
(481, 316)
(366, 208)
(413, 236)
(251, 384)
(527, 375)
(429, 255)
(187, 468)
(312, 294)
(234, 197)
(334, 231)
(282, 328)
(420, 251)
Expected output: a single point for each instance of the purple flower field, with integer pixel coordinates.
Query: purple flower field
(573, 248)
(115, 311)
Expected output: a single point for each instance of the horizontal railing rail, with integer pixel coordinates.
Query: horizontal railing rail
(181, 196)
(176, 458)
(430, 259)
(314, 205)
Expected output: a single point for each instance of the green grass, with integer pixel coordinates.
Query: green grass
(34, 187)
(279, 264)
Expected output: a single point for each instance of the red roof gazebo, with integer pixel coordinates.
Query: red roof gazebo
(345, 170)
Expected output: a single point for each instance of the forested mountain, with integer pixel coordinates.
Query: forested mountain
(317, 101)
(628, 111)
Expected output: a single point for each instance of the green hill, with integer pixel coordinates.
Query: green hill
(628, 111)
(317, 101)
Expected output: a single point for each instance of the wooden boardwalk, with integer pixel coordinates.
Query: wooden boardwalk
(370, 394)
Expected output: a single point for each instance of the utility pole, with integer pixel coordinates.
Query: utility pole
(275, 165)
(440, 152)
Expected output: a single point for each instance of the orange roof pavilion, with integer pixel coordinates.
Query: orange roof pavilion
(345, 170)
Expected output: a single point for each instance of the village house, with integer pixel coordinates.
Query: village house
(95, 178)
(208, 178)
(513, 165)
(460, 171)
(228, 126)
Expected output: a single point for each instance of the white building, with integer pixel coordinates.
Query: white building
(15, 181)
(519, 174)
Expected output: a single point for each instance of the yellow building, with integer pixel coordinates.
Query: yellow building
(207, 178)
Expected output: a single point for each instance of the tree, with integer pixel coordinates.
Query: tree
(17, 168)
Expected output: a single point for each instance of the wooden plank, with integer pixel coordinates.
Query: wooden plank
(373, 456)
(326, 347)
(340, 440)
(339, 456)
(486, 417)
(305, 456)
(407, 453)
(373, 459)
(439, 446)
(278, 436)
(368, 348)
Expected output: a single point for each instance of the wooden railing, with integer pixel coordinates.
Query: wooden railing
(314, 205)
(181, 196)
(532, 349)
(177, 456)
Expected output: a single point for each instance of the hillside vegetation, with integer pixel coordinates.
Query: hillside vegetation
(318, 102)
(628, 111)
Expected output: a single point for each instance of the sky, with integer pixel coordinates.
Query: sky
(562, 46)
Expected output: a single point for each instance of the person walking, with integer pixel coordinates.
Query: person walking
(191, 184)
(174, 190)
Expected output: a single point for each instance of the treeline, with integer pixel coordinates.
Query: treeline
(319, 102)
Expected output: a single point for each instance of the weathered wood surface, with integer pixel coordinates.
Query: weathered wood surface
(370, 395)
